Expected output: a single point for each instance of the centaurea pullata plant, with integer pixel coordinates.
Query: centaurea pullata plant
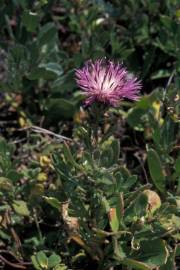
(97, 199)
(109, 211)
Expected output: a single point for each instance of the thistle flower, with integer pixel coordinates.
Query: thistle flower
(107, 82)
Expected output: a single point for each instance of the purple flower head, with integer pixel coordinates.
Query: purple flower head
(107, 82)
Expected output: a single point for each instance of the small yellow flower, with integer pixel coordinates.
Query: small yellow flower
(45, 161)
(156, 106)
(22, 122)
(157, 109)
(42, 177)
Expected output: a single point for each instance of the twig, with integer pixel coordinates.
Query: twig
(168, 83)
(18, 141)
(142, 166)
(37, 225)
(14, 265)
(46, 132)
(8, 122)
(105, 233)
(13, 255)
(127, 148)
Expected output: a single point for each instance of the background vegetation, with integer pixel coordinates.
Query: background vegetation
(106, 196)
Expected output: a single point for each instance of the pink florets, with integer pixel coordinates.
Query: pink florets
(107, 82)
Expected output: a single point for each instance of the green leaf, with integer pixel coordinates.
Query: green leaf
(5, 149)
(69, 157)
(60, 267)
(105, 179)
(4, 236)
(177, 166)
(44, 71)
(53, 260)
(42, 259)
(161, 74)
(137, 207)
(124, 182)
(136, 264)
(105, 204)
(53, 202)
(20, 207)
(153, 253)
(52, 67)
(140, 205)
(113, 219)
(35, 262)
(177, 251)
(120, 207)
(110, 152)
(146, 101)
(13, 175)
(135, 118)
(170, 264)
(47, 34)
(168, 134)
(156, 170)
(30, 20)
(107, 158)
(64, 83)
(115, 144)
